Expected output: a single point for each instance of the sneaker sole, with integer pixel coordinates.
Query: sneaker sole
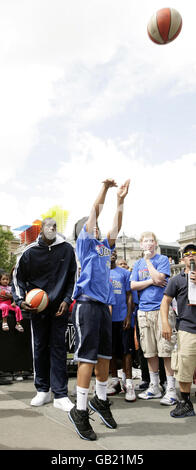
(186, 415)
(150, 397)
(130, 401)
(42, 404)
(103, 419)
(77, 430)
(168, 404)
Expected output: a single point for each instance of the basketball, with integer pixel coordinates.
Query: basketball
(38, 299)
(164, 26)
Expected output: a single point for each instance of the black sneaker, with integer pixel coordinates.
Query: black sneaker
(141, 386)
(80, 420)
(102, 407)
(183, 409)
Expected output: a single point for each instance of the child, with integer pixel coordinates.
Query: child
(91, 317)
(6, 304)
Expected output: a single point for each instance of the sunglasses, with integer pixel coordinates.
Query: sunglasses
(188, 253)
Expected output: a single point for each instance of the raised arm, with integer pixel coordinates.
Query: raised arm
(98, 205)
(117, 222)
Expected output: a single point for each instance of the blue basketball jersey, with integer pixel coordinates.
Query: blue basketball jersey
(94, 256)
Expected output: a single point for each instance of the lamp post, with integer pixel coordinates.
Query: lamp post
(124, 244)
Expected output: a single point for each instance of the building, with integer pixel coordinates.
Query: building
(188, 236)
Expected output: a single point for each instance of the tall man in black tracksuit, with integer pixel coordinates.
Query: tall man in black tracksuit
(49, 264)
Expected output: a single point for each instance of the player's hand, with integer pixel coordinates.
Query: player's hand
(63, 308)
(123, 190)
(27, 307)
(109, 183)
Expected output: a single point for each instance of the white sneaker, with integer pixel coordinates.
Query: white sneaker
(170, 397)
(41, 398)
(130, 393)
(136, 373)
(64, 404)
(151, 392)
(113, 387)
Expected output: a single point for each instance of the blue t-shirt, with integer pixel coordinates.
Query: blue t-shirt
(94, 256)
(120, 279)
(150, 298)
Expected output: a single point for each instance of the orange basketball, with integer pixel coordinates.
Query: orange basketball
(38, 299)
(164, 26)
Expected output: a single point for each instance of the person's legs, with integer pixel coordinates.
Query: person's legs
(41, 351)
(41, 358)
(100, 402)
(170, 397)
(184, 373)
(4, 306)
(19, 317)
(58, 362)
(58, 356)
(128, 386)
(84, 375)
(114, 385)
(86, 321)
(102, 405)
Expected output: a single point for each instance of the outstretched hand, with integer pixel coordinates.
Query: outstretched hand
(123, 190)
(109, 183)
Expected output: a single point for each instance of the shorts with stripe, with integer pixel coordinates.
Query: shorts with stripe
(93, 331)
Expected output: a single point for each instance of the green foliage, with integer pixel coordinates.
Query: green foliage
(7, 261)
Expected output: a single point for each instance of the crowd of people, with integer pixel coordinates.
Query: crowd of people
(118, 314)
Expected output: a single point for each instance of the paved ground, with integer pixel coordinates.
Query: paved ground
(142, 425)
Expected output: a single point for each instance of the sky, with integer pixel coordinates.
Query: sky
(86, 95)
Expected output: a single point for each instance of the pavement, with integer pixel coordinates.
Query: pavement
(145, 425)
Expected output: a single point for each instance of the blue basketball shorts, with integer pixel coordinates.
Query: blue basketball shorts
(93, 331)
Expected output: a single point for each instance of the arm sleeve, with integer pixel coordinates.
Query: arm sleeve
(171, 289)
(71, 279)
(19, 280)
(164, 266)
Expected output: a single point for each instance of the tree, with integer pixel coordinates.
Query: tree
(7, 260)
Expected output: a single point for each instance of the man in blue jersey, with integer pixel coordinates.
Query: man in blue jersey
(149, 278)
(91, 316)
(121, 331)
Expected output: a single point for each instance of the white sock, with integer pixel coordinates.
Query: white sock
(129, 382)
(101, 389)
(171, 381)
(154, 378)
(123, 377)
(82, 396)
